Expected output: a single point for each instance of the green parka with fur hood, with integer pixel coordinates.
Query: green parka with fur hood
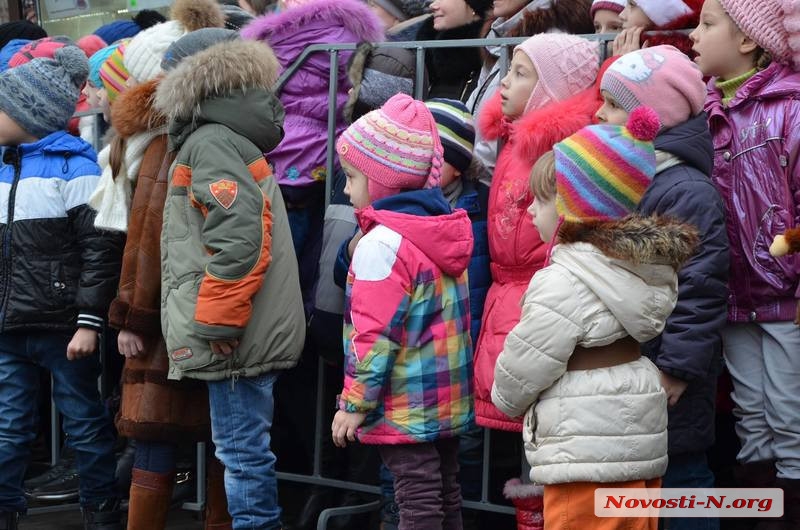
(229, 270)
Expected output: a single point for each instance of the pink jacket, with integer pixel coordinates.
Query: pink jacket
(514, 245)
(408, 354)
(756, 147)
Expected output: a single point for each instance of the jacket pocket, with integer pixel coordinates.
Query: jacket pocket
(776, 271)
(186, 350)
(64, 281)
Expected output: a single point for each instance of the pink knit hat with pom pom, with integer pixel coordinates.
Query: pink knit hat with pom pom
(397, 147)
(602, 171)
(774, 25)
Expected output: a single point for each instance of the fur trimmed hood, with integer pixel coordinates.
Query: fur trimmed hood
(353, 15)
(537, 132)
(216, 72)
(638, 240)
(134, 112)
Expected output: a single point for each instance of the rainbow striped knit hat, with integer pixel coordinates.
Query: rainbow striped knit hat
(113, 72)
(397, 147)
(602, 171)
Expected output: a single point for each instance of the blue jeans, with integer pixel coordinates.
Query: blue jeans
(85, 420)
(241, 418)
(689, 470)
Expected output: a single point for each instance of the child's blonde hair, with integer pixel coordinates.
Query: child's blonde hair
(543, 177)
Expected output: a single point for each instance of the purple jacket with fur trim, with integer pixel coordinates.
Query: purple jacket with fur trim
(299, 160)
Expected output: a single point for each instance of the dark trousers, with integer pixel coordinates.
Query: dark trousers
(426, 484)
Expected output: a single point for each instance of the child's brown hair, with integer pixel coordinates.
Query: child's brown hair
(543, 177)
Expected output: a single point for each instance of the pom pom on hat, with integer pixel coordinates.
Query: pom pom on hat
(602, 171)
(397, 147)
(643, 124)
(38, 112)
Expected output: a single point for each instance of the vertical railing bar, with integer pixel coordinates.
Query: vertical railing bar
(333, 90)
(419, 84)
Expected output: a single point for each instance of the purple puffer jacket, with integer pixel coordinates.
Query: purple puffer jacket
(756, 170)
(299, 160)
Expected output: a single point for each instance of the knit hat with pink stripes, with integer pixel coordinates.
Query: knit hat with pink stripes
(397, 147)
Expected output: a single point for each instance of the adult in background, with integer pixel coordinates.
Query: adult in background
(453, 72)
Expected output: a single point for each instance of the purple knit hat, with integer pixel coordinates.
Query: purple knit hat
(397, 147)
(774, 25)
(661, 78)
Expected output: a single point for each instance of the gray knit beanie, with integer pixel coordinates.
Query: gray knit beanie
(40, 96)
(194, 42)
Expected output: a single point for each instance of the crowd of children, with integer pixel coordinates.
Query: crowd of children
(571, 254)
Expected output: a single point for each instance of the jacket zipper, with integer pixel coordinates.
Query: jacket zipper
(16, 160)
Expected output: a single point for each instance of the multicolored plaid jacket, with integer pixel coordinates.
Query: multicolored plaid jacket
(407, 321)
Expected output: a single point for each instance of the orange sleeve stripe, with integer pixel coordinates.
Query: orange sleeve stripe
(260, 169)
(229, 302)
(182, 176)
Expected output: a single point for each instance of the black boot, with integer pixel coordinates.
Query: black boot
(9, 520)
(791, 507)
(759, 474)
(106, 516)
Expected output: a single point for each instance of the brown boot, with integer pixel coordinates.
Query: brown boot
(217, 516)
(759, 474)
(150, 497)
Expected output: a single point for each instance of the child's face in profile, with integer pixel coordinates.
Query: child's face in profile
(356, 187)
(518, 84)
(449, 175)
(634, 16)
(11, 133)
(721, 47)
(545, 217)
(611, 113)
(92, 95)
(607, 21)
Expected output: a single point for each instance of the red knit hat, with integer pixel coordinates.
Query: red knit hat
(42, 48)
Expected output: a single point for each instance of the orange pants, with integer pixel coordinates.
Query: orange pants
(571, 507)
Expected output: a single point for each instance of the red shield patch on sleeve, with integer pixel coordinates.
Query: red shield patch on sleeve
(225, 192)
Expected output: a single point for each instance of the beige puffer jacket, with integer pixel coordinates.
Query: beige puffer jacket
(602, 284)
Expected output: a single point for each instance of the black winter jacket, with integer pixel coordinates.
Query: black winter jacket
(690, 347)
(57, 271)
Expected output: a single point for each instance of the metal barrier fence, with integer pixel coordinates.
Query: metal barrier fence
(317, 477)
